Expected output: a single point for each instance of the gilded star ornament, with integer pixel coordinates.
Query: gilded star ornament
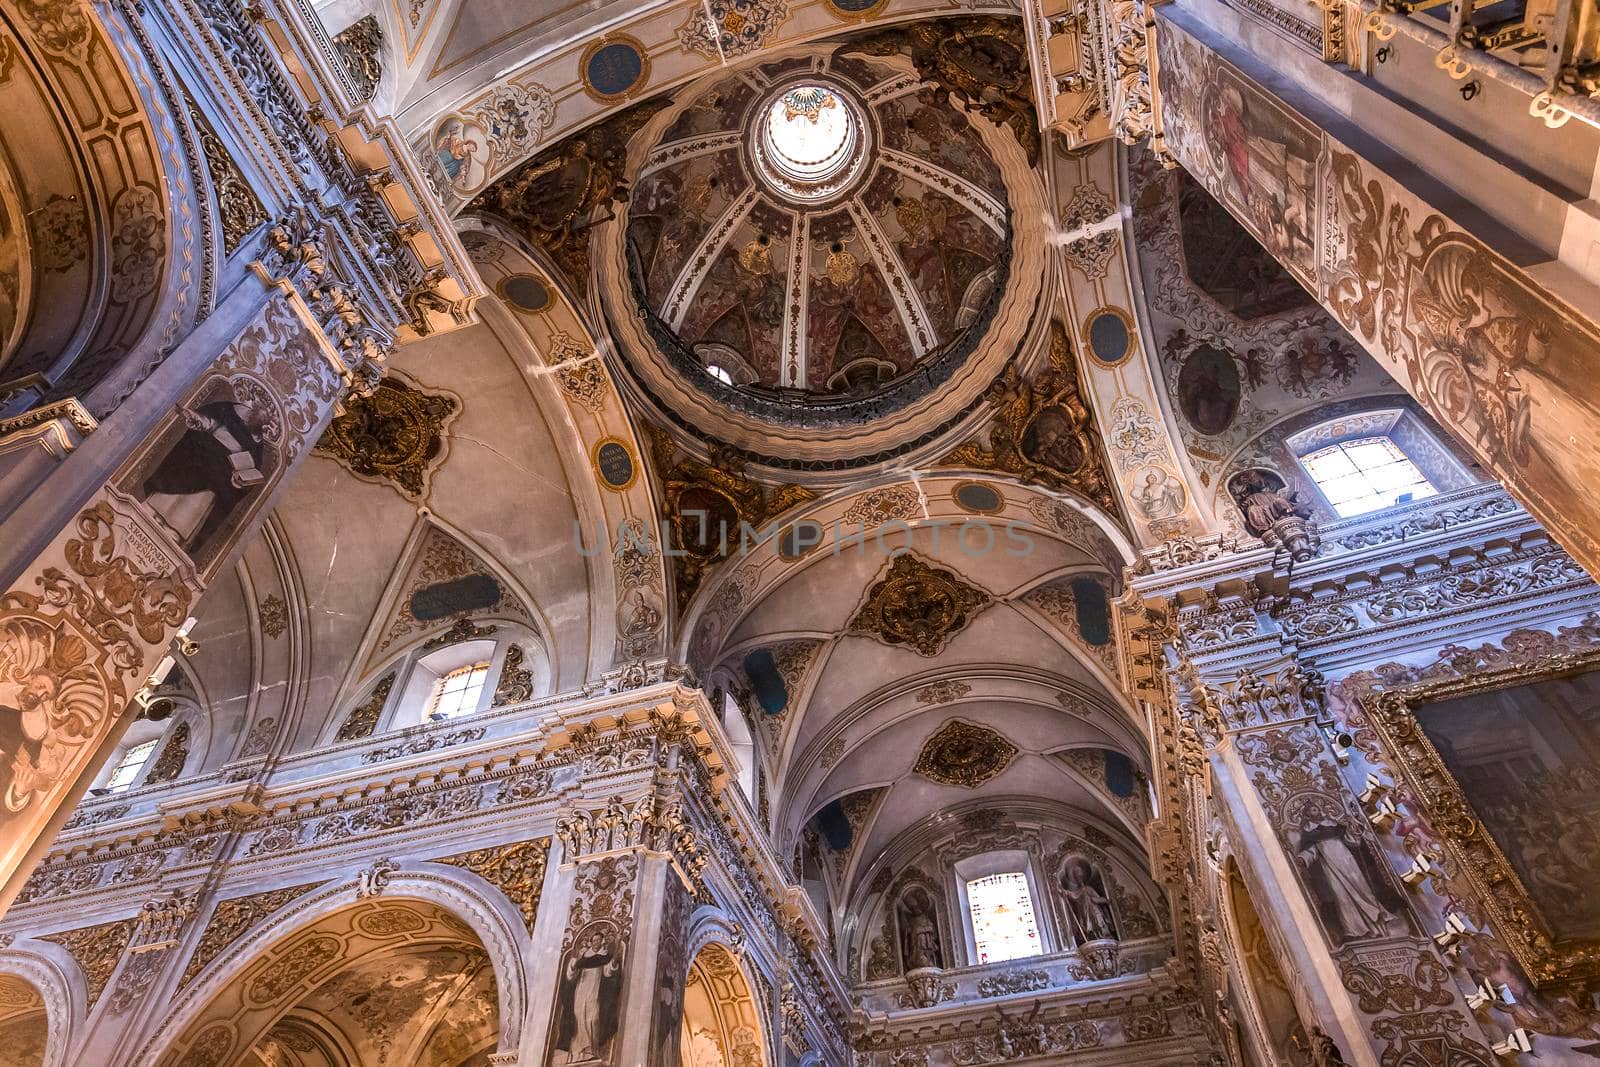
(964, 754)
(919, 606)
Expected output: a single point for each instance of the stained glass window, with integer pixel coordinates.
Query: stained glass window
(1003, 926)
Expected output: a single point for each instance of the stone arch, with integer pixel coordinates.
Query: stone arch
(563, 351)
(107, 229)
(36, 993)
(722, 1018)
(232, 1003)
(1271, 1022)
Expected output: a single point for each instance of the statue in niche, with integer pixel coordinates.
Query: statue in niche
(1264, 498)
(1088, 907)
(1274, 512)
(919, 930)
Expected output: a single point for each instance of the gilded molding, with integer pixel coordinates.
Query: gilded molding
(394, 436)
(1507, 905)
(517, 870)
(964, 754)
(97, 949)
(918, 605)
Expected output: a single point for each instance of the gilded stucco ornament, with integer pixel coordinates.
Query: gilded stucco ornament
(238, 206)
(983, 61)
(360, 46)
(919, 606)
(553, 197)
(517, 870)
(396, 435)
(964, 754)
(705, 504)
(1043, 430)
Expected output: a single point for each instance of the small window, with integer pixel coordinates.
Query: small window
(457, 692)
(1366, 475)
(130, 765)
(1003, 926)
(720, 374)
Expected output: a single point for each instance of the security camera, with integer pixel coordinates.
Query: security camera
(1486, 994)
(1517, 1041)
(1449, 939)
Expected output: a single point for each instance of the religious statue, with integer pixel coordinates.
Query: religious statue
(919, 931)
(1088, 907)
(1274, 513)
(1264, 503)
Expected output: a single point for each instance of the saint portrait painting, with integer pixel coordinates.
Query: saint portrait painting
(1527, 759)
(214, 461)
(588, 997)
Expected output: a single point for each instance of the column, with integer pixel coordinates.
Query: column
(94, 619)
(1368, 976)
(630, 869)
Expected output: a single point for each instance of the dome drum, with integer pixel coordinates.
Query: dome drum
(819, 266)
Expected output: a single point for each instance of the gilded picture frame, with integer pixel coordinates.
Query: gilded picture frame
(1465, 828)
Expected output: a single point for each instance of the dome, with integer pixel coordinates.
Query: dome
(815, 234)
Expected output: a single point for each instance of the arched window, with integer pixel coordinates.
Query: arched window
(155, 752)
(737, 729)
(1366, 461)
(130, 768)
(720, 373)
(1003, 925)
(1366, 474)
(997, 896)
(458, 692)
(469, 669)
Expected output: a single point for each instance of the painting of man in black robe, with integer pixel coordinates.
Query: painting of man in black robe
(589, 998)
(210, 473)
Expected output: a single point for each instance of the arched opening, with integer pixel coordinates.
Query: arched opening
(721, 1022)
(391, 981)
(1276, 1023)
(24, 1024)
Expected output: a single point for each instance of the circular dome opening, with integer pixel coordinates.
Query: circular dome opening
(809, 141)
(809, 133)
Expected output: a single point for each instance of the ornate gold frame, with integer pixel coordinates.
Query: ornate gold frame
(1499, 893)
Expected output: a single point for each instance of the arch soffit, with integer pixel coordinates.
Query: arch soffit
(102, 71)
(568, 371)
(267, 570)
(731, 967)
(458, 893)
(56, 977)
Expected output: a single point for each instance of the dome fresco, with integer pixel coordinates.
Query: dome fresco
(826, 225)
